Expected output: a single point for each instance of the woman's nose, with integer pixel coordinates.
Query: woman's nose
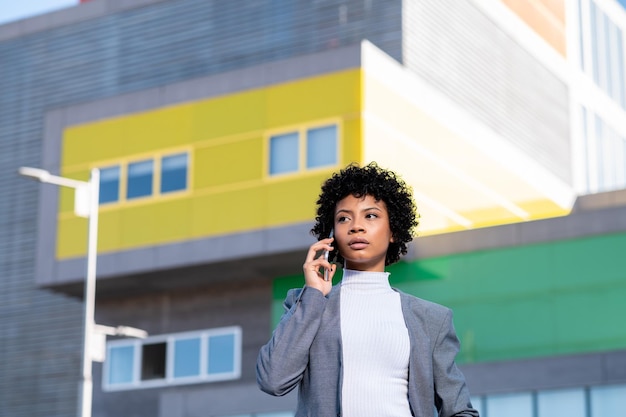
(356, 227)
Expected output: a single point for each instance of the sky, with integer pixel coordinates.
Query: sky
(11, 10)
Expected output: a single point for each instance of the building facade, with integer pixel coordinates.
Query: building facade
(213, 125)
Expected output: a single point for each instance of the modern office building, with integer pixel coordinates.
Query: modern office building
(213, 125)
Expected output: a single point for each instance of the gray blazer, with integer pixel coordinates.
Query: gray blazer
(305, 350)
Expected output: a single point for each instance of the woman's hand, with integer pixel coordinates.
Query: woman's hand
(315, 265)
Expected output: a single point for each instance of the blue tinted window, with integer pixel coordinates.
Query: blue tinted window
(139, 179)
(121, 360)
(109, 184)
(608, 400)
(221, 354)
(284, 153)
(186, 357)
(174, 173)
(321, 147)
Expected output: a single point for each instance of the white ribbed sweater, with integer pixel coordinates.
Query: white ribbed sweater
(376, 347)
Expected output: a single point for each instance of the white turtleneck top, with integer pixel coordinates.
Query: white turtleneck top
(376, 347)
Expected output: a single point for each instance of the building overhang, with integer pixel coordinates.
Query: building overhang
(464, 174)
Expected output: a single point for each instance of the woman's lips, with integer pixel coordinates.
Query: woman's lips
(358, 243)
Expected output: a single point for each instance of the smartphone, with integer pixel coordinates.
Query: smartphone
(326, 253)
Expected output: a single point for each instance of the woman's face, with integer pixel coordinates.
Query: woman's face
(362, 232)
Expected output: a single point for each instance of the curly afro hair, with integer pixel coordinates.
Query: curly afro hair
(379, 183)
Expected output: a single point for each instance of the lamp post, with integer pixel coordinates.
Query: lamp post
(86, 204)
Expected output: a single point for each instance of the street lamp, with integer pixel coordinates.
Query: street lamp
(86, 202)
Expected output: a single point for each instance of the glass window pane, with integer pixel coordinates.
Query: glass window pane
(561, 403)
(174, 173)
(284, 153)
(276, 414)
(153, 361)
(140, 179)
(187, 357)
(510, 405)
(221, 354)
(608, 401)
(321, 147)
(109, 184)
(120, 361)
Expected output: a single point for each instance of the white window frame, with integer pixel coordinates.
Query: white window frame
(169, 340)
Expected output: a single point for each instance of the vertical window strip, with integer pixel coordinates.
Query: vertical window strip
(620, 68)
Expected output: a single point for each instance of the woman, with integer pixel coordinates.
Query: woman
(362, 348)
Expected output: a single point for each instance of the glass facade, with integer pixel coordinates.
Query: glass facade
(603, 60)
(595, 401)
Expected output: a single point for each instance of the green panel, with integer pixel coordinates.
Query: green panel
(555, 298)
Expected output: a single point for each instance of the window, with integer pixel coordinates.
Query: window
(321, 147)
(140, 176)
(144, 178)
(511, 405)
(153, 361)
(120, 362)
(608, 401)
(598, 401)
(284, 153)
(221, 354)
(181, 358)
(109, 184)
(561, 403)
(305, 149)
(187, 357)
(605, 154)
(174, 173)
(604, 61)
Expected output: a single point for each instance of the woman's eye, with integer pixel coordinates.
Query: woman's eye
(342, 219)
(371, 216)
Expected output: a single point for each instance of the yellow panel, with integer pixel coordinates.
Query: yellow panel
(352, 141)
(229, 192)
(294, 201)
(123, 136)
(233, 162)
(72, 237)
(161, 223)
(110, 230)
(314, 98)
(228, 212)
(155, 130)
(229, 115)
(83, 143)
